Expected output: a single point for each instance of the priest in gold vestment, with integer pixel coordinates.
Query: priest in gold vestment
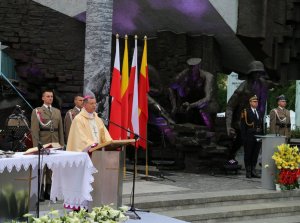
(87, 129)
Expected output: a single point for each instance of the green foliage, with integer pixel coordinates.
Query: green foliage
(295, 133)
(289, 90)
(222, 91)
(13, 203)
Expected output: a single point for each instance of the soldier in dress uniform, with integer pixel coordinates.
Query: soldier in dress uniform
(70, 115)
(46, 127)
(251, 125)
(280, 119)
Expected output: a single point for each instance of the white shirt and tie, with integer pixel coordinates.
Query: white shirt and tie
(255, 112)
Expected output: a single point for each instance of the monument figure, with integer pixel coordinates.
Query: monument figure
(193, 92)
(256, 83)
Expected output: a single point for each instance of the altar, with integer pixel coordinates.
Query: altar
(72, 177)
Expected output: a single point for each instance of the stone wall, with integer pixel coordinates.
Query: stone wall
(49, 51)
(270, 29)
(97, 72)
(48, 48)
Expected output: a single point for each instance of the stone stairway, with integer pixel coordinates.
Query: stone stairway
(254, 205)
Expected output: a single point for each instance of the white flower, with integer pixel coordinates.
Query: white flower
(54, 212)
(37, 220)
(124, 208)
(114, 213)
(103, 213)
(123, 218)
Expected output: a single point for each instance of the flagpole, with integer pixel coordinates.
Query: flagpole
(147, 166)
(124, 163)
(0, 58)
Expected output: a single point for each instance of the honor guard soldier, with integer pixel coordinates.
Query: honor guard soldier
(251, 125)
(70, 115)
(46, 127)
(280, 119)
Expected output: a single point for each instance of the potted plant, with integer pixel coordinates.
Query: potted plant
(287, 161)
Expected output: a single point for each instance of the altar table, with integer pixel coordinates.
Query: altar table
(72, 175)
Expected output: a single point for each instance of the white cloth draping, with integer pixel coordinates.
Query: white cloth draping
(72, 174)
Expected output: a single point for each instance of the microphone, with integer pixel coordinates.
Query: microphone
(101, 116)
(19, 108)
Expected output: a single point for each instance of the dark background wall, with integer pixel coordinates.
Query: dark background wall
(48, 48)
(270, 29)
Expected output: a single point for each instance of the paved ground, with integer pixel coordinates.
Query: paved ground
(168, 182)
(202, 181)
(177, 180)
(172, 181)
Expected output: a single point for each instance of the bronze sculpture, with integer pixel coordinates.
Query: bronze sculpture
(193, 91)
(256, 83)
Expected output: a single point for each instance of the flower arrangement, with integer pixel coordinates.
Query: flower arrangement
(103, 214)
(287, 160)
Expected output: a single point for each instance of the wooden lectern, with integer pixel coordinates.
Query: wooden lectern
(108, 184)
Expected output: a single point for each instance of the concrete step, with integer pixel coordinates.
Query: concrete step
(285, 219)
(236, 212)
(193, 199)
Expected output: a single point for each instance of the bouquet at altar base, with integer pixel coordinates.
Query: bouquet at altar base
(287, 160)
(102, 214)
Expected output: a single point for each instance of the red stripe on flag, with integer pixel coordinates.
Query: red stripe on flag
(133, 114)
(115, 93)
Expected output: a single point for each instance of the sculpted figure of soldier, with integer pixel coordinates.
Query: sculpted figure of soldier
(193, 91)
(257, 84)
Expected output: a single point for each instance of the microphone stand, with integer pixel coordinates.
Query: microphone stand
(40, 148)
(15, 89)
(136, 137)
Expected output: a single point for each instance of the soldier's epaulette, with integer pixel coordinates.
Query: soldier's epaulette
(243, 114)
(39, 109)
(73, 113)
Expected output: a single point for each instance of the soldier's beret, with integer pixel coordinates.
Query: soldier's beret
(281, 98)
(253, 98)
(193, 61)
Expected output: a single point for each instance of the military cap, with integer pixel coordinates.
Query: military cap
(193, 61)
(256, 66)
(253, 98)
(281, 98)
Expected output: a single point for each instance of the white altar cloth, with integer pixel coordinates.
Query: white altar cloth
(72, 174)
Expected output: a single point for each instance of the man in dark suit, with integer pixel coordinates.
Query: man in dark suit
(251, 125)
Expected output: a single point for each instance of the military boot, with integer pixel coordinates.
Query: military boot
(253, 173)
(248, 171)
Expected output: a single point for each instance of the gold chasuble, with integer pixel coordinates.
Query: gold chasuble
(86, 130)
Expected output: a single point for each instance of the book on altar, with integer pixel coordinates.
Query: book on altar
(47, 147)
